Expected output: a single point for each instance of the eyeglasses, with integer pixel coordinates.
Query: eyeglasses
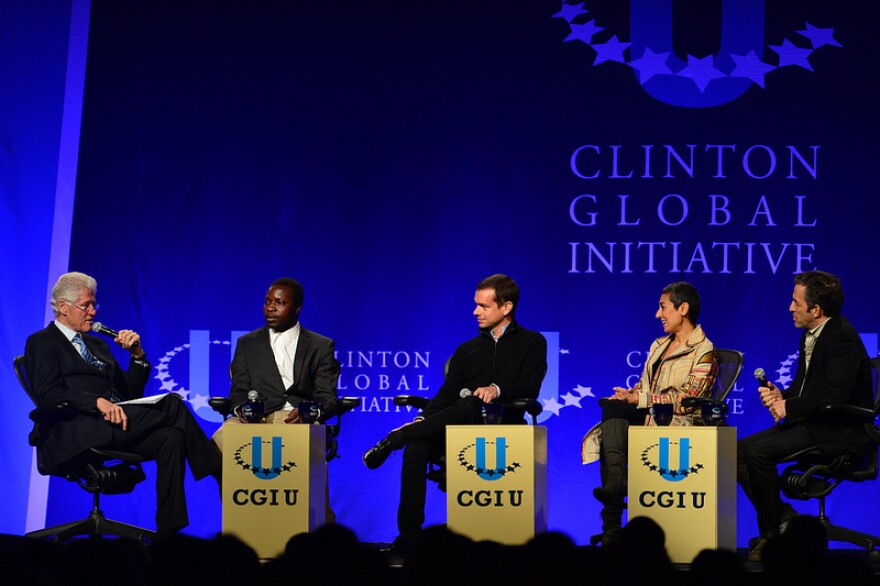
(88, 308)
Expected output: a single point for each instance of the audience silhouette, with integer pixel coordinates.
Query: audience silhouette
(638, 552)
(332, 554)
(719, 567)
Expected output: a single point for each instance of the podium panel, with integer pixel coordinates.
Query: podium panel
(274, 481)
(684, 478)
(496, 481)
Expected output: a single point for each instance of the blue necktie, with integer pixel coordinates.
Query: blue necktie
(84, 351)
(90, 358)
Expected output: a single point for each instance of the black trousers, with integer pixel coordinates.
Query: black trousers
(168, 433)
(426, 440)
(757, 457)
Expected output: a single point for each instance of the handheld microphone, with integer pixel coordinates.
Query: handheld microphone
(253, 396)
(102, 329)
(762, 377)
(465, 393)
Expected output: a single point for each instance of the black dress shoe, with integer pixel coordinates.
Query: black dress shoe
(376, 456)
(402, 545)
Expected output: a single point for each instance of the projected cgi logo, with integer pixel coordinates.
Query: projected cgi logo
(659, 458)
(696, 82)
(194, 359)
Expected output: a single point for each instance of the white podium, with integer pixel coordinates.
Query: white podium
(496, 481)
(274, 483)
(684, 478)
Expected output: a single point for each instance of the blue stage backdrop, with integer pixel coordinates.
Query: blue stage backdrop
(391, 157)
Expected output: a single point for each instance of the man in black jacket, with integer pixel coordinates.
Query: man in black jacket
(833, 367)
(504, 362)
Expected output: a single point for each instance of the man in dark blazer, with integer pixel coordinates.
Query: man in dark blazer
(833, 367)
(63, 364)
(284, 362)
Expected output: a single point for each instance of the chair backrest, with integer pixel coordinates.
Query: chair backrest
(36, 437)
(730, 364)
(875, 374)
(18, 366)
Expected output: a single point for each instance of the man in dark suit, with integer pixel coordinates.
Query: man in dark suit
(284, 362)
(833, 367)
(65, 365)
(503, 362)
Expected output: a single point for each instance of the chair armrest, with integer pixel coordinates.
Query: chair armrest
(222, 405)
(411, 401)
(531, 406)
(346, 404)
(343, 406)
(49, 414)
(45, 416)
(845, 413)
(695, 402)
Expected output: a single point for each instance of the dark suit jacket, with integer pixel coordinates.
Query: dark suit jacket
(840, 372)
(57, 372)
(315, 372)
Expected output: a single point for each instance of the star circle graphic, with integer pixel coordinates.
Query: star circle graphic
(255, 470)
(491, 472)
(700, 70)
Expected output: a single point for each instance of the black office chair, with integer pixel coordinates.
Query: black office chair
(223, 406)
(730, 363)
(437, 462)
(97, 472)
(812, 475)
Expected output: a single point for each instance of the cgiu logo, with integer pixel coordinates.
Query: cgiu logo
(479, 461)
(481, 467)
(253, 457)
(500, 458)
(264, 459)
(683, 459)
(695, 82)
(193, 364)
(659, 458)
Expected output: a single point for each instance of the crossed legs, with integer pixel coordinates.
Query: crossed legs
(168, 433)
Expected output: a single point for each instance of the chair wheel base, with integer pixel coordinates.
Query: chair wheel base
(96, 525)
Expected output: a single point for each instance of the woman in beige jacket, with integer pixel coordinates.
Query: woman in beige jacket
(680, 364)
